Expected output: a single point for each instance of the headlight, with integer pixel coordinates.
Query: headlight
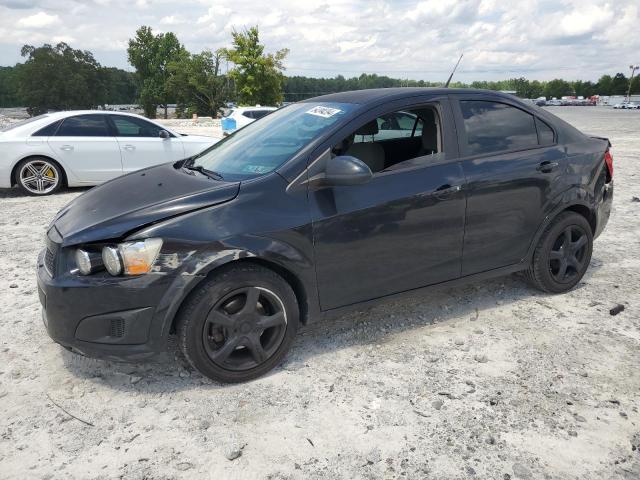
(111, 260)
(87, 262)
(131, 258)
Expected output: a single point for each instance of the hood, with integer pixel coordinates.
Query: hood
(119, 206)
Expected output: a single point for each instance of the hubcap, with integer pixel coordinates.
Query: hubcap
(244, 328)
(39, 176)
(568, 254)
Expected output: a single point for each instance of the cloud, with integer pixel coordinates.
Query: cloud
(38, 20)
(418, 39)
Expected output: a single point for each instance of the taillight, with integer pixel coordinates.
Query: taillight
(608, 160)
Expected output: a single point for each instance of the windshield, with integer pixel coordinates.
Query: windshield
(13, 125)
(265, 144)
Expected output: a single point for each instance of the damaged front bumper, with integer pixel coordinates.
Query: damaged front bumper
(114, 318)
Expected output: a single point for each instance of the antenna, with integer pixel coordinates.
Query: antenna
(446, 85)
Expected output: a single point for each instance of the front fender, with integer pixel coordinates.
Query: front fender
(192, 266)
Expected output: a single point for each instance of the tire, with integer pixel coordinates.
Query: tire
(39, 176)
(562, 255)
(238, 324)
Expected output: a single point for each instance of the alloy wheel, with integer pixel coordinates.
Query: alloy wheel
(568, 254)
(244, 328)
(39, 177)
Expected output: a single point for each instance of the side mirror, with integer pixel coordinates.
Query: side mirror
(345, 170)
(164, 134)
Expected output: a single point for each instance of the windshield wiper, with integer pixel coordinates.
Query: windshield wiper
(204, 171)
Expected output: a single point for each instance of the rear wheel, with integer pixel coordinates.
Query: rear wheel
(39, 176)
(563, 254)
(239, 324)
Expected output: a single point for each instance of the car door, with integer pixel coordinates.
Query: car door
(512, 165)
(141, 144)
(402, 230)
(87, 148)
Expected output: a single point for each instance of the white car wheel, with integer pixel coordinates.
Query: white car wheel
(39, 176)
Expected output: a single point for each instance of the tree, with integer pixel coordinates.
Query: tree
(557, 88)
(9, 96)
(584, 89)
(619, 84)
(603, 87)
(258, 76)
(196, 82)
(120, 86)
(59, 78)
(635, 85)
(151, 55)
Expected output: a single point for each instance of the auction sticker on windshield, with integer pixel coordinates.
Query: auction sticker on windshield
(324, 112)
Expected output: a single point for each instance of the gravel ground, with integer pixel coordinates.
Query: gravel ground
(492, 380)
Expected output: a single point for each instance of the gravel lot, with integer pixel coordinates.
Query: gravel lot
(492, 380)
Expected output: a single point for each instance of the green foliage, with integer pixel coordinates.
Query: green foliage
(619, 84)
(557, 88)
(257, 76)
(298, 88)
(151, 55)
(196, 83)
(120, 86)
(9, 96)
(59, 78)
(603, 87)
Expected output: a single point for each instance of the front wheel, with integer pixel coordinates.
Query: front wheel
(239, 324)
(562, 255)
(39, 176)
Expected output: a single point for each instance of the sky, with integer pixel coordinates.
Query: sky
(537, 39)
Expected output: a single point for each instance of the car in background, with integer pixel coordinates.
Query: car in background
(627, 106)
(240, 116)
(83, 148)
(290, 221)
(554, 103)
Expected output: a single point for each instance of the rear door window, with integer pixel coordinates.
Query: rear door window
(84, 126)
(134, 127)
(493, 127)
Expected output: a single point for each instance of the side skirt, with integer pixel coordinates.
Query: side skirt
(498, 272)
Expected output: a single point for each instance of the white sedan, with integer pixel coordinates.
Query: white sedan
(80, 148)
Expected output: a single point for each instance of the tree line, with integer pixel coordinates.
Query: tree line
(298, 87)
(59, 77)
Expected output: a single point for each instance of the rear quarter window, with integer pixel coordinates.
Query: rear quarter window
(47, 131)
(493, 127)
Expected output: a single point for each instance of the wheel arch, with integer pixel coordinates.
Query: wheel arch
(577, 206)
(14, 170)
(299, 290)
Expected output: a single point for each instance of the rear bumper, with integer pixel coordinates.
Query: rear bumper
(121, 319)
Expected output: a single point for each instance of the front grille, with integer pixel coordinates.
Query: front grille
(50, 261)
(117, 328)
(51, 253)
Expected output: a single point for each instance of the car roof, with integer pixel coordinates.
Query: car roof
(71, 113)
(376, 95)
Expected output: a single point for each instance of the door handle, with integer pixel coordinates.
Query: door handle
(66, 148)
(446, 190)
(547, 166)
(129, 147)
